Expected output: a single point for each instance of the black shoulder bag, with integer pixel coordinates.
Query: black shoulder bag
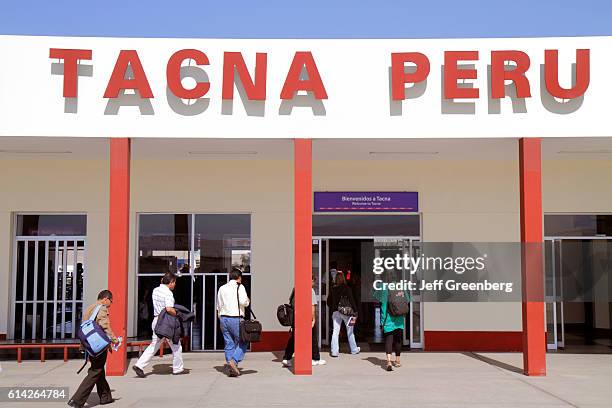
(250, 330)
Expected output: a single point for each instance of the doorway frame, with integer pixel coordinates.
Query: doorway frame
(410, 238)
(559, 341)
(11, 320)
(192, 274)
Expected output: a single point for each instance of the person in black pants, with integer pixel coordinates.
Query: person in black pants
(290, 348)
(96, 375)
(393, 343)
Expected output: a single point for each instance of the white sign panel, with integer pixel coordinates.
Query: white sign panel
(545, 87)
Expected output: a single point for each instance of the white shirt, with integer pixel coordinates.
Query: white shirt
(227, 301)
(162, 298)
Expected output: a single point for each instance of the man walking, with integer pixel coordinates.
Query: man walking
(290, 347)
(163, 299)
(231, 302)
(96, 375)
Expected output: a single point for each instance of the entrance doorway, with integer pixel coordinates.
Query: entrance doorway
(579, 266)
(201, 249)
(353, 257)
(48, 273)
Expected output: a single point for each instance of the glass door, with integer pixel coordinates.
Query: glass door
(321, 286)
(390, 247)
(555, 332)
(416, 301)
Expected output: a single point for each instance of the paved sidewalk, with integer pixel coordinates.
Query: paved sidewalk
(424, 380)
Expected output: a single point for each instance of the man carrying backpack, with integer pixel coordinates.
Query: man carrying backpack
(96, 375)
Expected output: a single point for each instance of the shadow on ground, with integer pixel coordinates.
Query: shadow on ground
(94, 399)
(223, 370)
(496, 363)
(377, 361)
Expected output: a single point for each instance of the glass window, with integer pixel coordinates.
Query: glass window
(43, 225)
(202, 246)
(366, 225)
(163, 243)
(577, 225)
(48, 288)
(222, 241)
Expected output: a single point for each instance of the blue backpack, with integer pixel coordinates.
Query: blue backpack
(92, 336)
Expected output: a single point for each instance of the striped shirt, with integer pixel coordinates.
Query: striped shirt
(162, 298)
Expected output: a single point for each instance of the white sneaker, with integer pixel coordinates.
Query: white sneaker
(357, 351)
(286, 363)
(319, 362)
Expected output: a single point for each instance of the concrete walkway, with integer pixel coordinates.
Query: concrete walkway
(425, 380)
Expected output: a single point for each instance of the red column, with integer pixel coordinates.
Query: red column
(303, 255)
(118, 232)
(532, 270)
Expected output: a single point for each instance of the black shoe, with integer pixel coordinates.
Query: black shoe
(139, 372)
(73, 404)
(181, 372)
(107, 401)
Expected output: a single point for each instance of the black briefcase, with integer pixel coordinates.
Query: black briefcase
(250, 330)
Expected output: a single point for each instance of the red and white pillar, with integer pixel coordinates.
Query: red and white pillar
(303, 255)
(532, 269)
(118, 247)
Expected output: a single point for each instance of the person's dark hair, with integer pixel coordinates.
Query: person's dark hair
(235, 273)
(168, 278)
(105, 294)
(340, 280)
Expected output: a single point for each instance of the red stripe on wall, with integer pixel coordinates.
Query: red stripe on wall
(271, 341)
(473, 341)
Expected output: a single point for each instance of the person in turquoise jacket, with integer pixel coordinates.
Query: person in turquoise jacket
(392, 326)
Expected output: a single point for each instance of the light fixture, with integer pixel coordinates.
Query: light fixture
(404, 153)
(20, 151)
(597, 151)
(223, 152)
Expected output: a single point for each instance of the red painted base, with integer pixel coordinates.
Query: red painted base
(271, 341)
(493, 341)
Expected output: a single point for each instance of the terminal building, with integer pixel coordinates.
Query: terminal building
(123, 159)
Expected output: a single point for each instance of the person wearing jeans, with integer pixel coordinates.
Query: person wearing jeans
(232, 299)
(341, 295)
(234, 348)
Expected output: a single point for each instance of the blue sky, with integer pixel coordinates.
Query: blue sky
(310, 19)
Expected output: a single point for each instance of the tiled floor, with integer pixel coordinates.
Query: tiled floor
(424, 380)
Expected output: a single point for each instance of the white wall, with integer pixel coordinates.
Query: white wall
(460, 201)
(577, 186)
(355, 74)
(262, 188)
(43, 186)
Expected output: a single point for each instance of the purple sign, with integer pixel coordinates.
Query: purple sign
(367, 201)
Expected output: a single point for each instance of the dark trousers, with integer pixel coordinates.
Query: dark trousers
(393, 341)
(96, 375)
(291, 345)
